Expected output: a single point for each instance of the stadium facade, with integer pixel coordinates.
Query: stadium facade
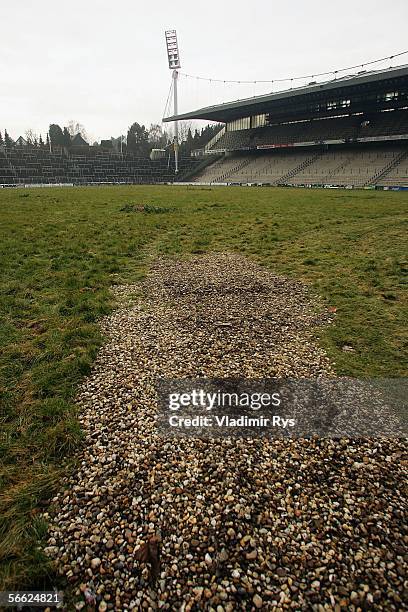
(347, 132)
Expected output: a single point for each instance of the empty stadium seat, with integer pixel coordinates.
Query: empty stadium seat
(36, 166)
(355, 166)
(317, 130)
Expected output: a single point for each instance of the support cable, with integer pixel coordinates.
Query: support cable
(168, 99)
(291, 79)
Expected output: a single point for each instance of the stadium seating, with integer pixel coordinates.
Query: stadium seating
(37, 166)
(222, 170)
(233, 141)
(7, 174)
(342, 129)
(344, 168)
(397, 175)
(267, 168)
(385, 124)
(358, 166)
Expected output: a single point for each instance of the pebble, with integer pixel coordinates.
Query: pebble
(251, 555)
(208, 559)
(258, 602)
(302, 522)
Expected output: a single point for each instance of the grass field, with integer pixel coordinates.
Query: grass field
(61, 250)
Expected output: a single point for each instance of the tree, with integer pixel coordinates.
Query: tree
(67, 137)
(189, 140)
(74, 128)
(158, 139)
(56, 135)
(7, 140)
(187, 144)
(184, 129)
(31, 137)
(201, 138)
(138, 140)
(198, 138)
(1, 140)
(41, 142)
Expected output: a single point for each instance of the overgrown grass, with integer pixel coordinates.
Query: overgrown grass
(63, 248)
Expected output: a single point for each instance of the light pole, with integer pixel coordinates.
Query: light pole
(174, 65)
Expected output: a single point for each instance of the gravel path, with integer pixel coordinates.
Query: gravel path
(185, 524)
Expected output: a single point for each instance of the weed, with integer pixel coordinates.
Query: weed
(144, 208)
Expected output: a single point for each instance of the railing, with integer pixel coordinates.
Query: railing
(304, 164)
(387, 169)
(214, 140)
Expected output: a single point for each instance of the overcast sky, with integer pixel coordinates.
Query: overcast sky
(103, 63)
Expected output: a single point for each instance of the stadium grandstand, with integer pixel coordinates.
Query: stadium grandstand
(25, 166)
(345, 132)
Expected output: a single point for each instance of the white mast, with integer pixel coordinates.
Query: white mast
(175, 100)
(174, 65)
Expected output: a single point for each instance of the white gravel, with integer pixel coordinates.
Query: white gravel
(241, 524)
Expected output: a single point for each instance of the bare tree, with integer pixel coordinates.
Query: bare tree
(158, 137)
(74, 128)
(184, 128)
(31, 137)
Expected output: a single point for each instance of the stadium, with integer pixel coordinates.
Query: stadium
(203, 364)
(350, 131)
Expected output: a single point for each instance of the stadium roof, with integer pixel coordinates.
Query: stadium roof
(229, 111)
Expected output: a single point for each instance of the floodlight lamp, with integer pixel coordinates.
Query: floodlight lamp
(172, 49)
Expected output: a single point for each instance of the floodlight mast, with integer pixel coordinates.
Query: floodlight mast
(174, 65)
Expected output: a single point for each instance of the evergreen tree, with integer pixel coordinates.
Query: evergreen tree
(138, 140)
(41, 142)
(67, 137)
(196, 138)
(56, 135)
(1, 140)
(7, 140)
(189, 142)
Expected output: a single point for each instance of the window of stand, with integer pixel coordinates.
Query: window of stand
(332, 105)
(239, 124)
(258, 120)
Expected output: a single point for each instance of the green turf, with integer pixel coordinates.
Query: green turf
(63, 247)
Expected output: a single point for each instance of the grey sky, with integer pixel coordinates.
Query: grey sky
(104, 63)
